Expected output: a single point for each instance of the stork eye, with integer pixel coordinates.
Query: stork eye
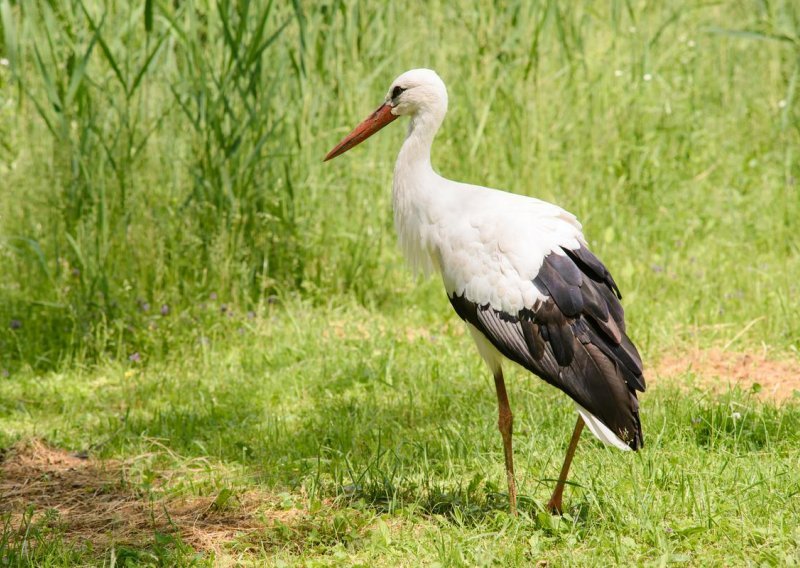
(397, 91)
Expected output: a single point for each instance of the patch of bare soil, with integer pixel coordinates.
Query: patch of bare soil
(95, 502)
(717, 369)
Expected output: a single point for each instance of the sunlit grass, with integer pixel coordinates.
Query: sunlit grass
(386, 438)
(160, 163)
(183, 278)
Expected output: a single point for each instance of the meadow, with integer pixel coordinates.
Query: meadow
(212, 353)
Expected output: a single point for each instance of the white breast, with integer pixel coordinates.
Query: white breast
(487, 244)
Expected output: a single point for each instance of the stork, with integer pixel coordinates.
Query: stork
(519, 272)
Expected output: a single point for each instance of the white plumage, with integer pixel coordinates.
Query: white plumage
(518, 271)
(485, 242)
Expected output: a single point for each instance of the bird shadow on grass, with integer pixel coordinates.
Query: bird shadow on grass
(463, 506)
(372, 464)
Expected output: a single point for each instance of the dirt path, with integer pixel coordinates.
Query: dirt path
(716, 369)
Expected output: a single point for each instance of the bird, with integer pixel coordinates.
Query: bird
(518, 270)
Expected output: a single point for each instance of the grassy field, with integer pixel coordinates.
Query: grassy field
(212, 353)
(340, 437)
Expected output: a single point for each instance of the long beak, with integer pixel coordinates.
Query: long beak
(374, 122)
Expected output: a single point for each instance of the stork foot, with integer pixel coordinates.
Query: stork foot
(512, 493)
(554, 506)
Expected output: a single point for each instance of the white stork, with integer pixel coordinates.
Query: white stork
(519, 272)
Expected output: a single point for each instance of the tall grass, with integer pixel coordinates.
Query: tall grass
(155, 153)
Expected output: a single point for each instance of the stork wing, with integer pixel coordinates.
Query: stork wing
(575, 339)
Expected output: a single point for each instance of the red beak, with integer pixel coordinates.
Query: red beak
(370, 126)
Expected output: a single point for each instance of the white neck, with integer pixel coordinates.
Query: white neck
(416, 150)
(416, 192)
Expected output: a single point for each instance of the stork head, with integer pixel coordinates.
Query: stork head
(418, 93)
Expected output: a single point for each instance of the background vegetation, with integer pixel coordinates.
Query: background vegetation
(154, 155)
(164, 210)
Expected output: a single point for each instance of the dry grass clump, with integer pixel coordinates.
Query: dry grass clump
(95, 502)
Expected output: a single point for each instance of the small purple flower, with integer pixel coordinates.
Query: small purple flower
(135, 357)
(657, 268)
(15, 324)
(76, 272)
(251, 315)
(272, 299)
(164, 309)
(212, 296)
(144, 306)
(4, 373)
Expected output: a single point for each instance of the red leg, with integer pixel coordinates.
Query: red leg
(504, 423)
(554, 505)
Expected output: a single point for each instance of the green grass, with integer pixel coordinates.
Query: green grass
(158, 164)
(161, 160)
(389, 444)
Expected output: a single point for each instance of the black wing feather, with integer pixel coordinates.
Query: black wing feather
(562, 280)
(575, 340)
